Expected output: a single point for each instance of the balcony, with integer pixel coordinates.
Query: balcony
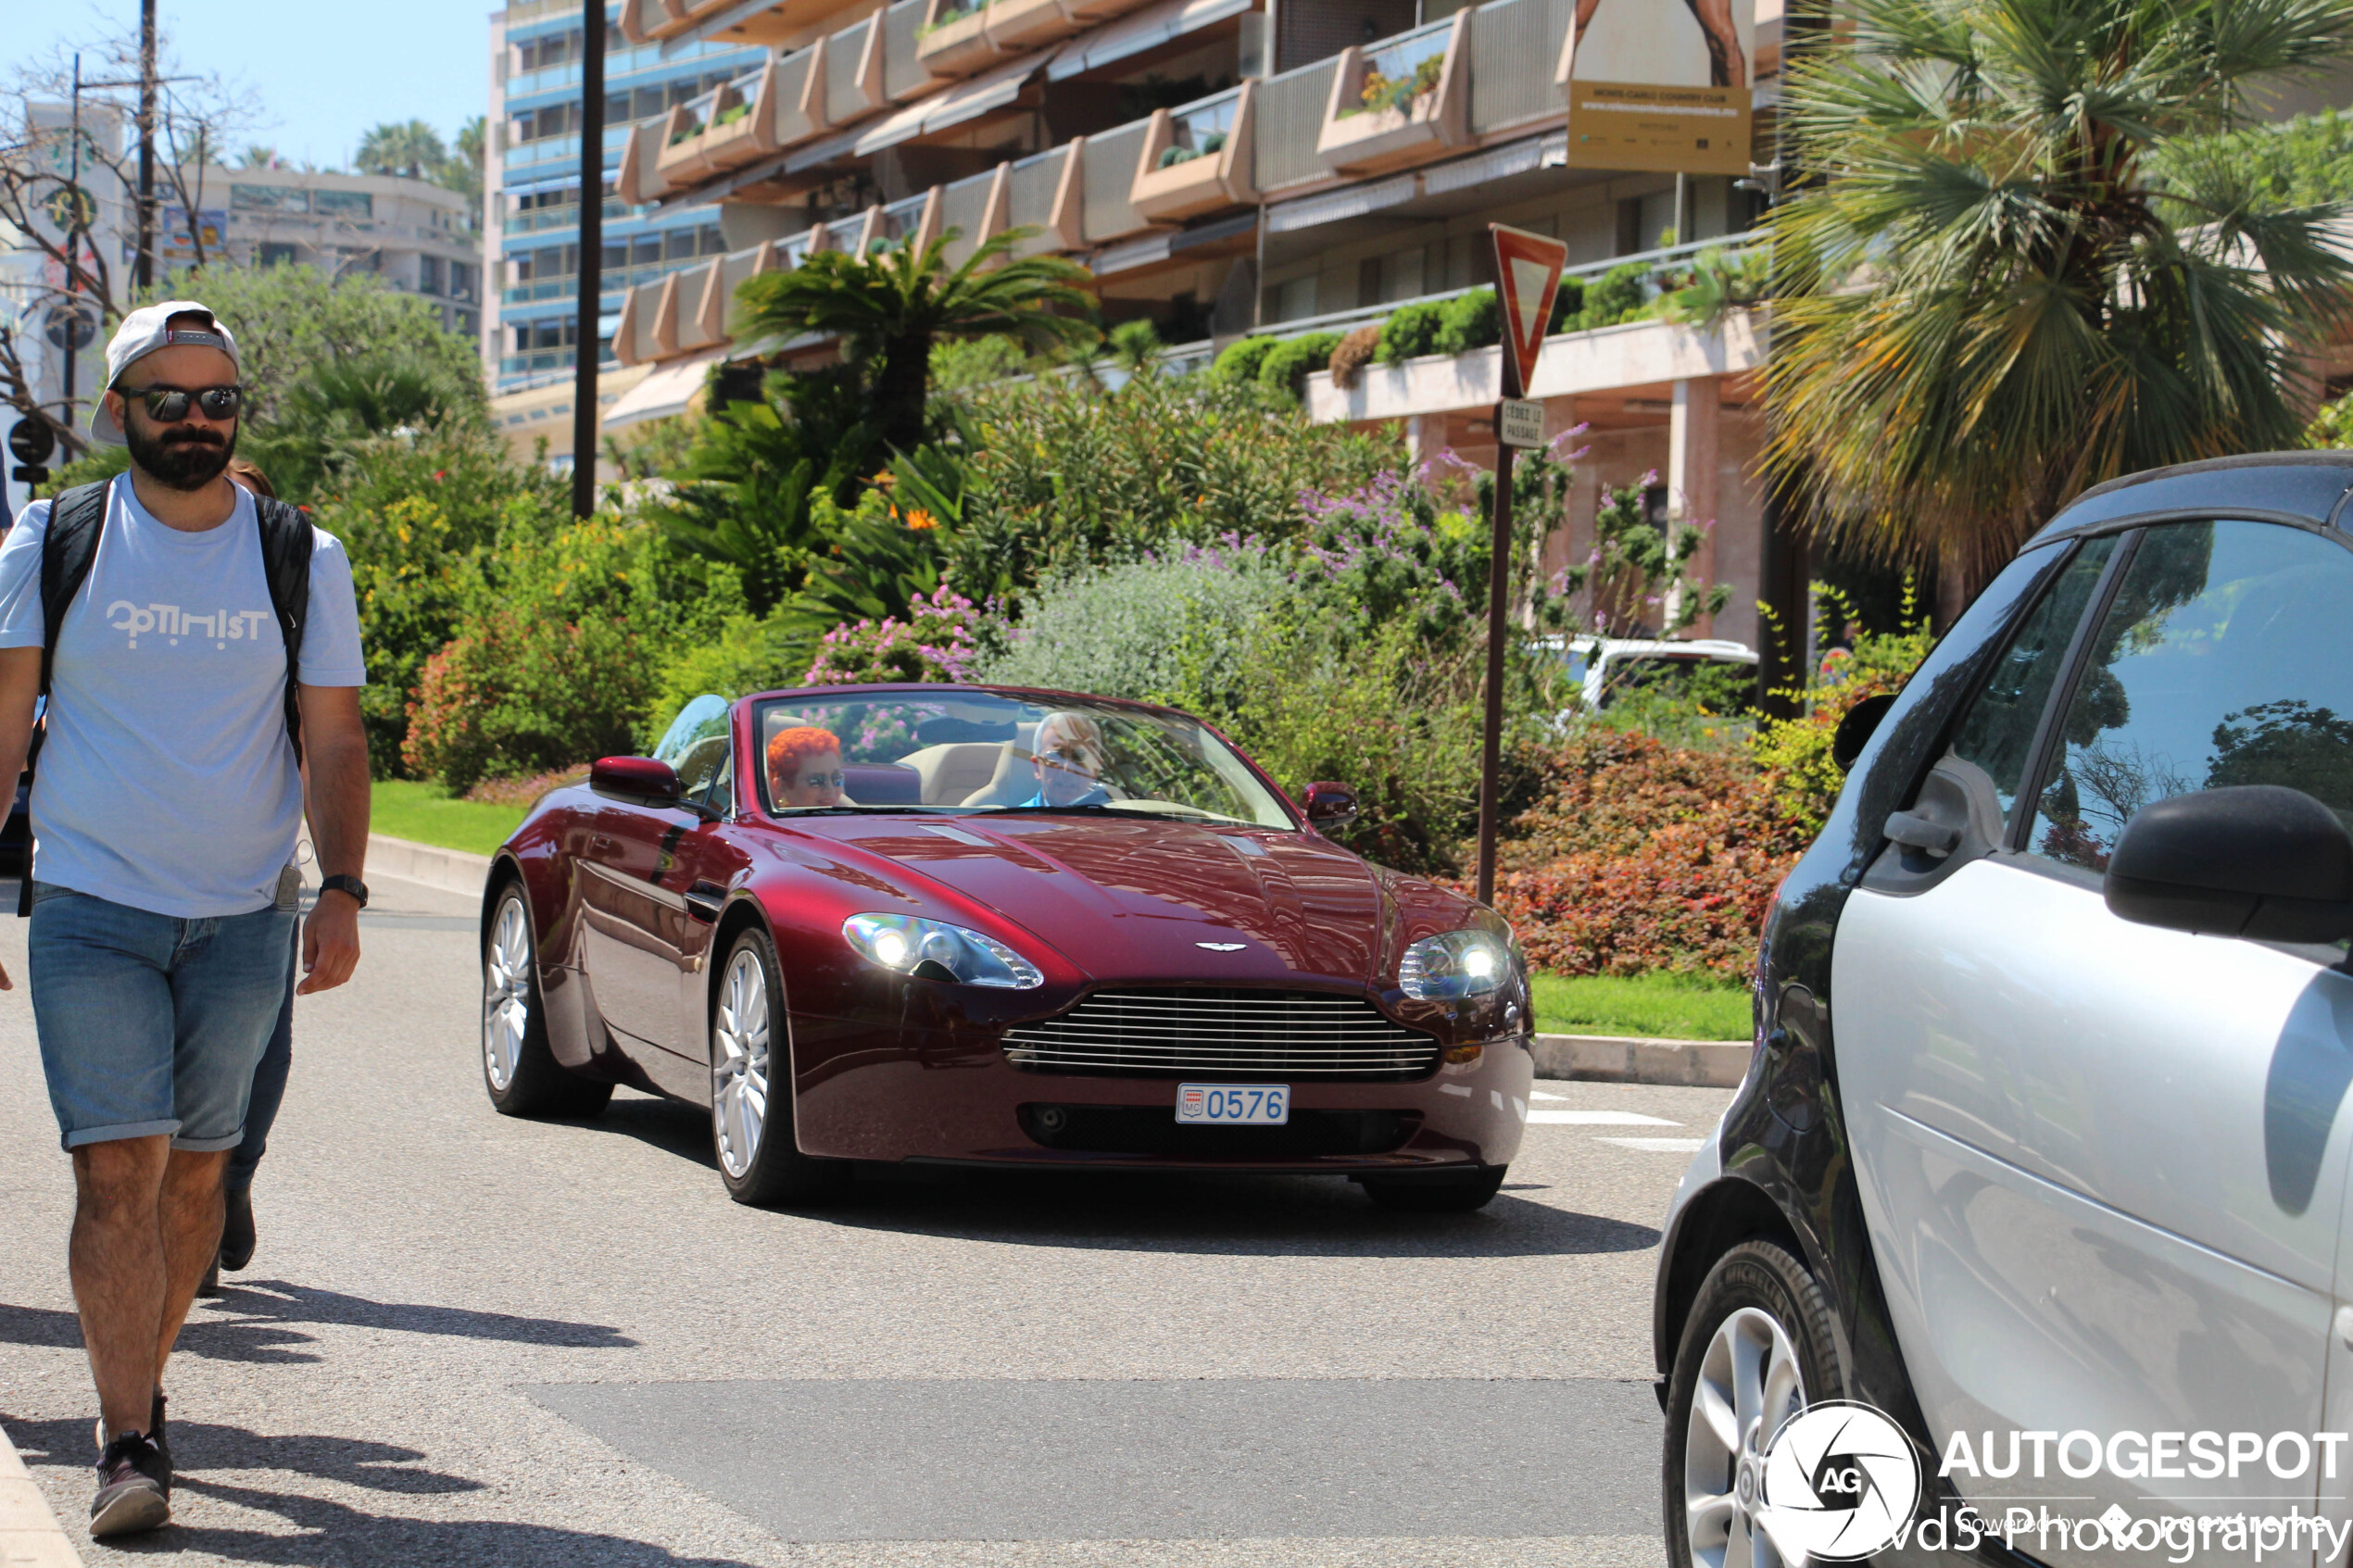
(1290, 118)
(972, 211)
(1402, 103)
(955, 42)
(1197, 158)
(855, 71)
(1015, 25)
(798, 106)
(903, 73)
(1107, 180)
(1044, 192)
(539, 219)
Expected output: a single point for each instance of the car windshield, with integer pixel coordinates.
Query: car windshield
(984, 751)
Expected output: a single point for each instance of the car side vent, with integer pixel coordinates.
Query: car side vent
(1230, 1033)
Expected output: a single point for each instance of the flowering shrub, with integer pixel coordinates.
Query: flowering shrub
(514, 694)
(934, 643)
(524, 792)
(1644, 856)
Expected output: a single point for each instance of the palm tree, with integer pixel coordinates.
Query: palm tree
(1987, 305)
(889, 307)
(412, 148)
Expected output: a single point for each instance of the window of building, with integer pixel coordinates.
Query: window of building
(269, 199)
(645, 250)
(714, 242)
(429, 274)
(678, 245)
(462, 280)
(343, 203)
(272, 254)
(555, 49)
(1295, 299)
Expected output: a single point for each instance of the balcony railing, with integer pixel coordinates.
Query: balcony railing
(1515, 48)
(965, 215)
(565, 285)
(1290, 118)
(799, 113)
(853, 78)
(1107, 178)
(536, 220)
(1034, 188)
(903, 72)
(1403, 102)
(1197, 158)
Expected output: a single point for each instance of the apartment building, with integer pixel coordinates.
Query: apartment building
(532, 228)
(416, 235)
(1225, 167)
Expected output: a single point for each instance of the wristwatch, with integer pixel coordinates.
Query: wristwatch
(342, 883)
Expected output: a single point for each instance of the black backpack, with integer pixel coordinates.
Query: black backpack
(70, 544)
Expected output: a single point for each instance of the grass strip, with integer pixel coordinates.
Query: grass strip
(423, 814)
(1655, 1006)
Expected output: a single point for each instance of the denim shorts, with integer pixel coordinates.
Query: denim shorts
(152, 1024)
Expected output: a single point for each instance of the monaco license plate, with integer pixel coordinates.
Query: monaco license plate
(1231, 1105)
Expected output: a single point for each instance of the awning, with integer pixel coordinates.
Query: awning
(966, 100)
(1146, 29)
(666, 390)
(1353, 202)
(718, 21)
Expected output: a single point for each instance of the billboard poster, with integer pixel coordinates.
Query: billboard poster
(177, 241)
(1660, 85)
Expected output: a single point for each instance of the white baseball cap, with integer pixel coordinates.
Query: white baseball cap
(142, 332)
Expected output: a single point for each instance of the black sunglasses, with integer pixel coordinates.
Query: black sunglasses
(169, 405)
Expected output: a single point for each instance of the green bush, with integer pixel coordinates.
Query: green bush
(1467, 321)
(1168, 630)
(2306, 161)
(1287, 368)
(1619, 294)
(1238, 362)
(1411, 331)
(743, 654)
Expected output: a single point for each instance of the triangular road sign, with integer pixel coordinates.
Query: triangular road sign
(1527, 271)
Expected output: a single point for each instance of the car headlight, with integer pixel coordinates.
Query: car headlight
(932, 949)
(1454, 965)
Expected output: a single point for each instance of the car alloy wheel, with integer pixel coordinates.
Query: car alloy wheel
(1749, 1384)
(739, 1080)
(506, 995)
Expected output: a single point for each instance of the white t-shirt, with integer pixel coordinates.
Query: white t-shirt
(168, 782)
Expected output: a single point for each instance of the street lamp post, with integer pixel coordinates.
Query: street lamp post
(592, 255)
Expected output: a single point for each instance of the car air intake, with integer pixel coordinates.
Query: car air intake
(1283, 1035)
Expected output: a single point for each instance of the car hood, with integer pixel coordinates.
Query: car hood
(1131, 900)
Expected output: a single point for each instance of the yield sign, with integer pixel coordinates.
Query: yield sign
(1528, 268)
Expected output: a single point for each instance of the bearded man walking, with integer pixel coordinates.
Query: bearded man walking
(200, 652)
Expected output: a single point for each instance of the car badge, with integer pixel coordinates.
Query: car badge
(1223, 947)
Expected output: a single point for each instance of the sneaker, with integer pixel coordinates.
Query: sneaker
(236, 1231)
(135, 1487)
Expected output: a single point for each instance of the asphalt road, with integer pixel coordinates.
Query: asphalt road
(472, 1340)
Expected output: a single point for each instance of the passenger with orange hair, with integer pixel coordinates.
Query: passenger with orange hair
(804, 767)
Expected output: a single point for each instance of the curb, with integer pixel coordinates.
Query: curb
(1606, 1059)
(451, 870)
(30, 1535)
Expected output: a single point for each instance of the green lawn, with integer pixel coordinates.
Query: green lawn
(420, 812)
(1663, 1007)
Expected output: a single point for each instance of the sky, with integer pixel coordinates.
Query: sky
(319, 72)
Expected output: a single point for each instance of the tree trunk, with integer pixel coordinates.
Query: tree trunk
(902, 387)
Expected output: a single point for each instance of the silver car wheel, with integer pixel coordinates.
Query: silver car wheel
(1749, 1384)
(506, 995)
(739, 1063)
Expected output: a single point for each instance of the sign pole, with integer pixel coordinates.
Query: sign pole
(1528, 274)
(585, 413)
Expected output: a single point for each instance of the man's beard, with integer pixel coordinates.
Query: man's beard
(184, 457)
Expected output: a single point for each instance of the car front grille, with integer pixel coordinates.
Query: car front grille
(1234, 1032)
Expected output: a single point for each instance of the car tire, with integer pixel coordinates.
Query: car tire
(1759, 1331)
(751, 1118)
(1449, 1194)
(521, 1074)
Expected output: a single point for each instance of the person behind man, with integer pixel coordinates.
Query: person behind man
(210, 635)
(237, 1236)
(1068, 761)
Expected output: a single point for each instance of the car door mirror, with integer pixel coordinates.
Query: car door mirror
(1855, 730)
(2259, 860)
(640, 779)
(1330, 805)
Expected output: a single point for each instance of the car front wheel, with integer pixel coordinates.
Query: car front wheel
(1756, 1349)
(751, 1121)
(521, 1074)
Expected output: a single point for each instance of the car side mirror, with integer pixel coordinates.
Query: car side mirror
(1330, 805)
(2258, 860)
(1855, 730)
(641, 779)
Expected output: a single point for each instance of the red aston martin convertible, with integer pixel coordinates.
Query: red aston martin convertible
(985, 926)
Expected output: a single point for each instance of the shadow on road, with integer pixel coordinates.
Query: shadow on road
(255, 1321)
(333, 1534)
(1207, 1213)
